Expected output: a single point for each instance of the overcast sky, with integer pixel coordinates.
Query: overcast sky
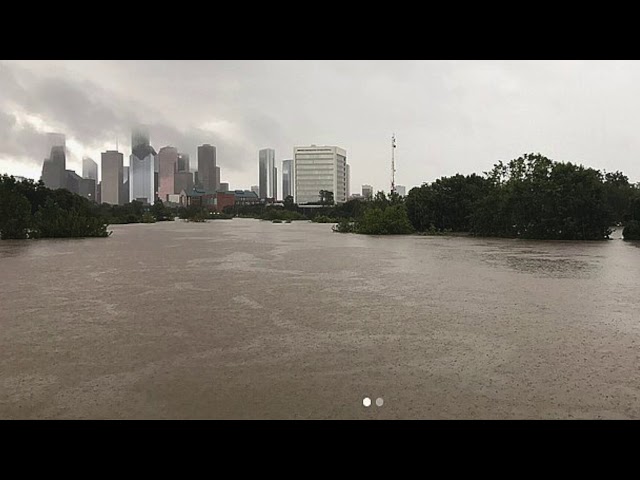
(449, 116)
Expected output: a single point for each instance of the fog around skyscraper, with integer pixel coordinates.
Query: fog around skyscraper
(449, 116)
(89, 168)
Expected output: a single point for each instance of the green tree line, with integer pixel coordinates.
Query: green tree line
(30, 210)
(529, 197)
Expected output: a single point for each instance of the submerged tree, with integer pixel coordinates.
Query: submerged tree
(631, 231)
(529, 197)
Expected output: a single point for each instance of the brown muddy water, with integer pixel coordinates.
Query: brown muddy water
(250, 319)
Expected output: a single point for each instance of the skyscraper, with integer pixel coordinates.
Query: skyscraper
(124, 186)
(217, 177)
(267, 171)
(182, 181)
(348, 181)
(141, 167)
(89, 172)
(72, 181)
(183, 164)
(319, 168)
(156, 170)
(287, 168)
(87, 188)
(367, 191)
(89, 169)
(168, 163)
(111, 182)
(54, 168)
(207, 167)
(54, 173)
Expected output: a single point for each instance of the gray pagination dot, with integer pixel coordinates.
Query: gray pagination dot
(379, 401)
(366, 401)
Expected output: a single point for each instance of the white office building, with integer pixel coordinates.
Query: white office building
(318, 168)
(348, 181)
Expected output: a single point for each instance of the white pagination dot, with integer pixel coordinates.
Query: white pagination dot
(366, 402)
(379, 401)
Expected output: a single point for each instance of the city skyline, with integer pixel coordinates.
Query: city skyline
(449, 116)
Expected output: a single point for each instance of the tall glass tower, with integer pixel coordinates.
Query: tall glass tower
(141, 167)
(267, 170)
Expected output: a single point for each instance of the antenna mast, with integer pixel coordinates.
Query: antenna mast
(393, 163)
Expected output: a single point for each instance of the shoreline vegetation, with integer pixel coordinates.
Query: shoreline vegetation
(531, 197)
(28, 209)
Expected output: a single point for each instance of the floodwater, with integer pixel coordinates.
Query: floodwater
(250, 319)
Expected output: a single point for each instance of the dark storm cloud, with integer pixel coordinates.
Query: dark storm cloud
(449, 116)
(20, 141)
(77, 109)
(94, 116)
(231, 156)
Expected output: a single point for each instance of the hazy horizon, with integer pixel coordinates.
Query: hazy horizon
(448, 116)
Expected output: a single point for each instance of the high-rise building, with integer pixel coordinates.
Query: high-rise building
(401, 190)
(54, 174)
(89, 168)
(348, 180)
(168, 163)
(367, 191)
(54, 168)
(156, 177)
(183, 181)
(196, 180)
(87, 188)
(287, 168)
(348, 173)
(217, 178)
(256, 189)
(72, 181)
(267, 171)
(142, 167)
(111, 175)
(183, 162)
(124, 187)
(319, 168)
(207, 167)
(275, 183)
(224, 187)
